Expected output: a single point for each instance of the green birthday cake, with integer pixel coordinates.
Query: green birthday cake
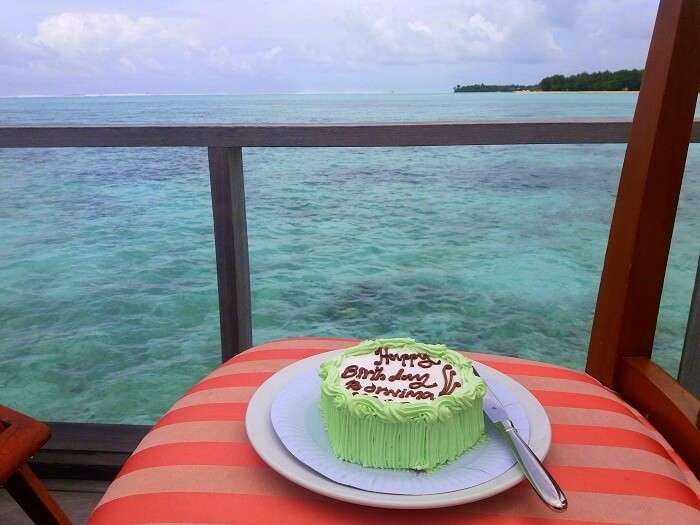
(396, 403)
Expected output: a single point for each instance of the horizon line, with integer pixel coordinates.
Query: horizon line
(222, 93)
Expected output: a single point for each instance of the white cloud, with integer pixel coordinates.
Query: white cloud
(127, 64)
(74, 34)
(91, 44)
(222, 59)
(418, 33)
(225, 60)
(271, 53)
(419, 27)
(18, 50)
(97, 41)
(257, 45)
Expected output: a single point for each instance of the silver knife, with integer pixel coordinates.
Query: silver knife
(546, 488)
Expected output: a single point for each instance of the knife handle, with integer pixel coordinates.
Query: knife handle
(541, 480)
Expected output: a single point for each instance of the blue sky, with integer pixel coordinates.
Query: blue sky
(262, 46)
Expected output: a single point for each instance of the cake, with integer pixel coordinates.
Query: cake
(396, 403)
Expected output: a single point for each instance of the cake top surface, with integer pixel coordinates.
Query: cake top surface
(398, 378)
(399, 374)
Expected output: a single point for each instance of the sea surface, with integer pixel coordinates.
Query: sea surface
(108, 302)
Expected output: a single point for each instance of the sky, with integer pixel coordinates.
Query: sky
(299, 46)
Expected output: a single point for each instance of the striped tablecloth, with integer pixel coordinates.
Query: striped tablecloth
(197, 466)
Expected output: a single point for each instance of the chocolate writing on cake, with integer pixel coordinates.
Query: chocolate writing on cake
(386, 356)
(419, 383)
(448, 374)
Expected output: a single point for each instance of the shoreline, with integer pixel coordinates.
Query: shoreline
(572, 92)
(539, 92)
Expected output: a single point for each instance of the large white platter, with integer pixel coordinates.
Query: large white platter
(267, 444)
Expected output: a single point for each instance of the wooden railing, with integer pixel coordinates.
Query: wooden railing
(225, 143)
(609, 131)
(103, 447)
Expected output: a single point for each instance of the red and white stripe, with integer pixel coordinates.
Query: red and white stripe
(197, 466)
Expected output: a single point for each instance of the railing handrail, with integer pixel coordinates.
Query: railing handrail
(395, 134)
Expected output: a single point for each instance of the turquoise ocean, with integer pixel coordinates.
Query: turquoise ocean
(108, 303)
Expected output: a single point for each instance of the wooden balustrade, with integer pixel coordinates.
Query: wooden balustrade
(369, 135)
(231, 240)
(97, 450)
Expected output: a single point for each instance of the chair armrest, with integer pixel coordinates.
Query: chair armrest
(20, 437)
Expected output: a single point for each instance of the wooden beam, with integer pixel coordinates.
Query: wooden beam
(31, 494)
(689, 369)
(231, 239)
(647, 199)
(665, 403)
(320, 135)
(95, 437)
(87, 450)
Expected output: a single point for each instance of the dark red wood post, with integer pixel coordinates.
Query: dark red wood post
(647, 199)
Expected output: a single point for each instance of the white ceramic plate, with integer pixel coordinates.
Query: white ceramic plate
(268, 446)
(298, 424)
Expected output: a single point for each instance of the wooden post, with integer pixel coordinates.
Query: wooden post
(31, 494)
(231, 239)
(689, 370)
(642, 225)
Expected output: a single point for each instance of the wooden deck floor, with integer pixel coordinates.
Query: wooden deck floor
(77, 498)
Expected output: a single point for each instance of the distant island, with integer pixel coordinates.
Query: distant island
(483, 88)
(622, 80)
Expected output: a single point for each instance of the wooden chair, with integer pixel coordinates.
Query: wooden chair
(624, 325)
(20, 437)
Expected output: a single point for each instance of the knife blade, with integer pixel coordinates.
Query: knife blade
(540, 479)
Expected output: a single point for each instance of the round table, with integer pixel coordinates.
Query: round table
(197, 466)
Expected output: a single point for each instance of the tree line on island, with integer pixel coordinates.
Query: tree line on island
(622, 80)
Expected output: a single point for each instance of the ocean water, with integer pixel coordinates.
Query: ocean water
(108, 306)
